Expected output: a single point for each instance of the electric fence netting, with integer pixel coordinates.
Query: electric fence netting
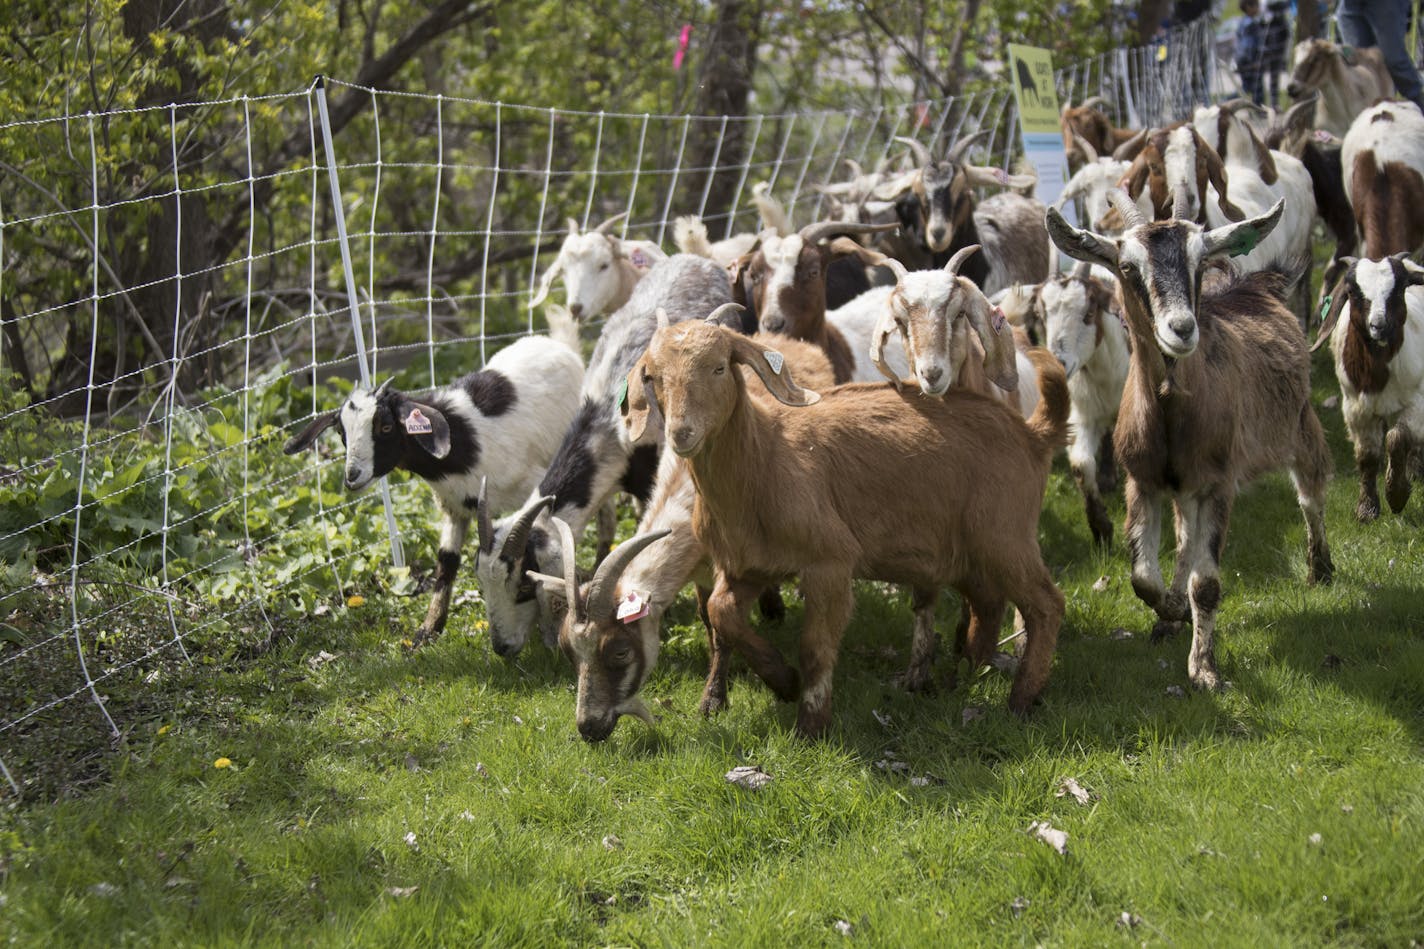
(175, 305)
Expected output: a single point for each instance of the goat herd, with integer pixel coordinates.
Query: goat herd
(1176, 350)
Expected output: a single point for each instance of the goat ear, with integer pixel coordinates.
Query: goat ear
(1216, 174)
(1080, 244)
(1416, 272)
(771, 367)
(986, 177)
(1000, 353)
(1242, 238)
(427, 425)
(1338, 300)
(547, 281)
(552, 584)
(1135, 178)
(885, 327)
(638, 405)
(847, 247)
(306, 436)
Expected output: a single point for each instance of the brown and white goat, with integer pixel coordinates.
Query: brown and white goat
(1176, 153)
(862, 482)
(1379, 360)
(1088, 133)
(1217, 393)
(1383, 163)
(784, 282)
(1349, 80)
(613, 654)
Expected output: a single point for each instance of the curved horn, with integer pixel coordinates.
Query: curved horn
(1094, 101)
(1235, 105)
(960, 256)
(877, 259)
(486, 545)
(715, 317)
(1125, 206)
(604, 227)
(1128, 150)
(956, 154)
(855, 170)
(1085, 146)
(603, 588)
(815, 233)
(566, 544)
(383, 387)
(518, 537)
(921, 153)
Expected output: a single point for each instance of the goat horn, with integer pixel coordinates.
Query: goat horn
(1081, 270)
(921, 153)
(877, 259)
(960, 256)
(573, 227)
(486, 546)
(1128, 150)
(1125, 206)
(815, 233)
(961, 147)
(1086, 146)
(855, 169)
(1094, 101)
(715, 317)
(381, 389)
(571, 590)
(603, 588)
(518, 537)
(606, 225)
(1237, 104)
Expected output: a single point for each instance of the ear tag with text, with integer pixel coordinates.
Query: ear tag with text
(997, 319)
(1323, 137)
(775, 359)
(638, 258)
(1001, 176)
(632, 608)
(622, 396)
(417, 424)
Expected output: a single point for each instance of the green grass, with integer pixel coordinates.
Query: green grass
(1201, 824)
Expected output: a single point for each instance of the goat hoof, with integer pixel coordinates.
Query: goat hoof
(1164, 630)
(1322, 570)
(1204, 677)
(917, 680)
(422, 636)
(1367, 510)
(812, 724)
(1396, 489)
(1175, 607)
(712, 704)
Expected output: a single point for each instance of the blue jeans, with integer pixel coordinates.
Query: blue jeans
(1383, 23)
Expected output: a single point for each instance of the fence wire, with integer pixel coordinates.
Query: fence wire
(174, 307)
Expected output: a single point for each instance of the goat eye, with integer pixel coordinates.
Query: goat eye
(621, 653)
(387, 428)
(719, 370)
(603, 267)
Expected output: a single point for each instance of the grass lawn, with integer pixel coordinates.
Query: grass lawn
(443, 798)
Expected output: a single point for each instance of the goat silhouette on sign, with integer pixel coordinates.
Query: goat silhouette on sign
(1028, 89)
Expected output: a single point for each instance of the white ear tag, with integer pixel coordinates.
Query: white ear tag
(631, 608)
(775, 359)
(997, 319)
(417, 424)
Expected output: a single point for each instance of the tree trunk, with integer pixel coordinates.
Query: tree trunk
(725, 83)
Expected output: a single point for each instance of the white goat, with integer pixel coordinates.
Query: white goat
(599, 270)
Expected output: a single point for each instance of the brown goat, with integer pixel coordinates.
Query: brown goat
(1382, 160)
(782, 282)
(1217, 393)
(861, 482)
(1089, 134)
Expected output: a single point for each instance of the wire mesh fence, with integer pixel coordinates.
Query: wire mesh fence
(174, 304)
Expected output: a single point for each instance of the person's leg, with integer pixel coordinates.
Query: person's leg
(1389, 20)
(1354, 23)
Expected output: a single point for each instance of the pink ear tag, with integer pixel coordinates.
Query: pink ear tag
(997, 318)
(417, 424)
(638, 258)
(1323, 137)
(1001, 176)
(632, 608)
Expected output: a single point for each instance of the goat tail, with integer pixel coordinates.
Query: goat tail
(1049, 421)
(690, 236)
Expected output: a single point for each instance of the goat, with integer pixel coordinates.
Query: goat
(1217, 392)
(1088, 132)
(594, 459)
(599, 269)
(1294, 134)
(1383, 161)
(939, 215)
(689, 234)
(1348, 79)
(785, 283)
(497, 427)
(613, 654)
(862, 482)
(1379, 360)
(1090, 185)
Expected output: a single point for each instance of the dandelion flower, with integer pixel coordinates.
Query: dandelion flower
(355, 601)
(408, 642)
(164, 729)
(223, 763)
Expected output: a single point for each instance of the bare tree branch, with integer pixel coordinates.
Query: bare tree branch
(920, 65)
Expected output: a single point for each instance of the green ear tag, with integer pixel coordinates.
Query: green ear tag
(1324, 307)
(1245, 241)
(622, 394)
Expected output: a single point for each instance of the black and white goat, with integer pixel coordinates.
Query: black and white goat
(1376, 332)
(1217, 393)
(497, 427)
(595, 458)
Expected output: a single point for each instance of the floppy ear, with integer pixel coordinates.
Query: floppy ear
(554, 585)
(1241, 238)
(1216, 174)
(1080, 244)
(770, 365)
(736, 272)
(1337, 303)
(847, 246)
(638, 405)
(427, 425)
(306, 436)
(885, 327)
(1416, 273)
(1000, 354)
(1135, 178)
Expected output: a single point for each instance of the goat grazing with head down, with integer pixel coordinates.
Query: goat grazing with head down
(1376, 331)
(1217, 393)
(862, 482)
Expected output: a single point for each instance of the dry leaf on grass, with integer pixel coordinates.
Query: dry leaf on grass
(844, 928)
(1070, 786)
(321, 659)
(1176, 692)
(1120, 633)
(1046, 832)
(751, 777)
(971, 713)
(1019, 904)
(1128, 920)
(1101, 584)
(881, 717)
(611, 842)
(401, 891)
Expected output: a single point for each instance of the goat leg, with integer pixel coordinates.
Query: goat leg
(1205, 521)
(924, 642)
(1107, 465)
(607, 521)
(1143, 530)
(1042, 609)
(1396, 472)
(1310, 472)
(714, 693)
(453, 529)
(829, 604)
(727, 610)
